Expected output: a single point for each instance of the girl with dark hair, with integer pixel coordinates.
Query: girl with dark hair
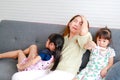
(101, 58)
(41, 60)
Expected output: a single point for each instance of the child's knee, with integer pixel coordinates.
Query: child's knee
(33, 46)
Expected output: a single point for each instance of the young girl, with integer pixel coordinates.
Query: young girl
(38, 60)
(101, 58)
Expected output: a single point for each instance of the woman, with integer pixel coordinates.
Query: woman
(76, 35)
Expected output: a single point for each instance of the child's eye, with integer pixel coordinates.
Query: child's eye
(104, 41)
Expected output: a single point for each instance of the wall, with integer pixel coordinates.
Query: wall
(98, 12)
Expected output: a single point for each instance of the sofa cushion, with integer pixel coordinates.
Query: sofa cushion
(7, 68)
(20, 34)
(114, 72)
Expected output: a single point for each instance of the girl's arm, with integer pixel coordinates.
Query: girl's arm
(104, 70)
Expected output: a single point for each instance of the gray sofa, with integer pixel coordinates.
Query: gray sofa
(19, 35)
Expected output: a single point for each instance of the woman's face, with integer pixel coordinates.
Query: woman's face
(75, 25)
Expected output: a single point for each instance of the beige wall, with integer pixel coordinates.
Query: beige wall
(98, 12)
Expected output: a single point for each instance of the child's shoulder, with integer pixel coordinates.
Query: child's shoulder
(110, 48)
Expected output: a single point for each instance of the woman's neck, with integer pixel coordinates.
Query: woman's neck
(71, 35)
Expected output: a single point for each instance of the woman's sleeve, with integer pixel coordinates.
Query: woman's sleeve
(82, 40)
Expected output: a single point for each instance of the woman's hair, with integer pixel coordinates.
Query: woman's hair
(67, 29)
(58, 41)
(104, 33)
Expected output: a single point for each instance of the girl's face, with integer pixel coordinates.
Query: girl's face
(75, 25)
(102, 42)
(49, 45)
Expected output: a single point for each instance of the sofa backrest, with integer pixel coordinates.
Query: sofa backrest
(20, 34)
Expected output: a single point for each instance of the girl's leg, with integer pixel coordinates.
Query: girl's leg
(14, 54)
(21, 56)
(32, 50)
(10, 54)
(24, 63)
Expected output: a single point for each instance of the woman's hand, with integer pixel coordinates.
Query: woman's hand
(90, 45)
(84, 27)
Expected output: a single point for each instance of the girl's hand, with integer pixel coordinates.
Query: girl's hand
(103, 72)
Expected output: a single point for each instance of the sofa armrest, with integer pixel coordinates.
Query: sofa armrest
(114, 72)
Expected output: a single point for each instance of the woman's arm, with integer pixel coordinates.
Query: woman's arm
(104, 70)
(90, 45)
(84, 27)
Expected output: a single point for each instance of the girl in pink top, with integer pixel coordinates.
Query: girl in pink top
(38, 60)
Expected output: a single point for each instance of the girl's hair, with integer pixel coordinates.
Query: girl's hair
(58, 41)
(67, 29)
(104, 33)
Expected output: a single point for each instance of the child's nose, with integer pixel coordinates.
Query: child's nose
(101, 42)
